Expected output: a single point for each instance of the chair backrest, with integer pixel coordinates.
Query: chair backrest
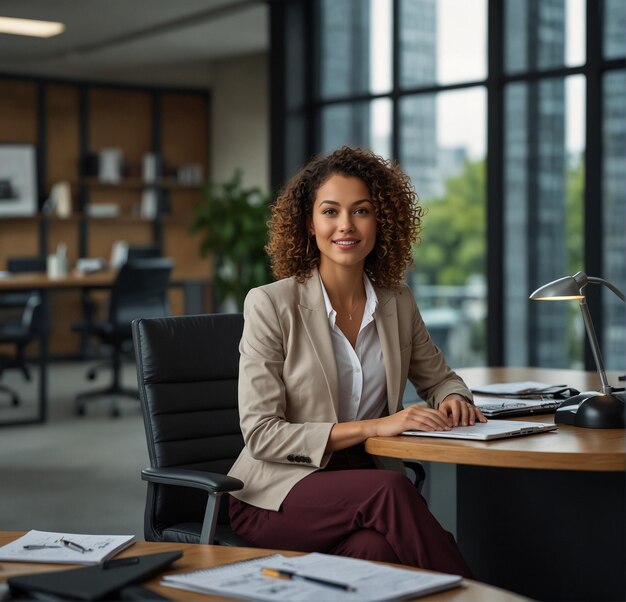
(26, 264)
(140, 291)
(187, 371)
(143, 252)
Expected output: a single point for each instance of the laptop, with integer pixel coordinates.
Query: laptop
(487, 431)
(507, 406)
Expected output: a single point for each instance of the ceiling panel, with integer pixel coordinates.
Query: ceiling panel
(105, 38)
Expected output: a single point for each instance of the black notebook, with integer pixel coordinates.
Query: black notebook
(98, 582)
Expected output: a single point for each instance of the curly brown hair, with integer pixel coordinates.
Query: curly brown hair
(398, 216)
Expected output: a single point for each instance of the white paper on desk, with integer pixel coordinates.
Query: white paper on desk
(373, 582)
(517, 388)
(102, 548)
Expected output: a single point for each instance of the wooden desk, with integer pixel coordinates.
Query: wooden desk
(76, 280)
(541, 515)
(201, 556)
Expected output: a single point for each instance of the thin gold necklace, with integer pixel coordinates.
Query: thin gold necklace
(353, 307)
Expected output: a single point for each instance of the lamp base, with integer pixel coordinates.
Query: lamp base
(592, 410)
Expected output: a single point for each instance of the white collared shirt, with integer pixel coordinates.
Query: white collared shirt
(360, 370)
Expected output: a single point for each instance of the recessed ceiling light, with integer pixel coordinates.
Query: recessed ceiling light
(30, 27)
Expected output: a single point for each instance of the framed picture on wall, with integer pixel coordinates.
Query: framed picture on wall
(18, 180)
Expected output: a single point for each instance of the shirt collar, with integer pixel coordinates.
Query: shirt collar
(371, 300)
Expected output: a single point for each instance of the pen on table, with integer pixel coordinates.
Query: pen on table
(283, 574)
(72, 545)
(39, 546)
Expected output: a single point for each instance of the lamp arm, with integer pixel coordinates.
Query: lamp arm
(608, 285)
(595, 348)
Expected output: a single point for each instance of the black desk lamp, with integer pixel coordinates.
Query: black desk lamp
(591, 409)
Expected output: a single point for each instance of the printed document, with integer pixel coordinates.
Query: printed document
(371, 582)
(64, 548)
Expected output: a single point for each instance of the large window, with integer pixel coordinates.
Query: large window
(514, 138)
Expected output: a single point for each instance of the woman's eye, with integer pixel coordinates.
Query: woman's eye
(328, 212)
(362, 211)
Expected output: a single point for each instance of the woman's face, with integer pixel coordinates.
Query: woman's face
(343, 221)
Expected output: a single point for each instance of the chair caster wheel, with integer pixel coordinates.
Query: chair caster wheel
(15, 400)
(80, 410)
(115, 412)
(91, 376)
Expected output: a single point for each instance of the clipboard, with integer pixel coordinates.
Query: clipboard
(97, 582)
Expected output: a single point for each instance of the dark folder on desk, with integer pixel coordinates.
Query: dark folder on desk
(97, 582)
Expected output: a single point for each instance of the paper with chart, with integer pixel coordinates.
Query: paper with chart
(371, 582)
(64, 548)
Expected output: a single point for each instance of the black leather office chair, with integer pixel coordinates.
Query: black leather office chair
(17, 300)
(95, 302)
(140, 290)
(187, 370)
(20, 320)
(19, 335)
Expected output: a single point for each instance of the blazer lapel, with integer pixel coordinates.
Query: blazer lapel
(315, 320)
(386, 317)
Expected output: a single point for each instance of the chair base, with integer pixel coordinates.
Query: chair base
(114, 390)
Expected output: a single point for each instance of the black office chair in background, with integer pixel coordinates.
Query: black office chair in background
(96, 301)
(18, 299)
(187, 370)
(140, 290)
(21, 321)
(19, 334)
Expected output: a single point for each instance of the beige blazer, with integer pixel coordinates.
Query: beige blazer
(288, 389)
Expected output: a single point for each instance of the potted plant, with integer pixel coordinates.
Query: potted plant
(232, 220)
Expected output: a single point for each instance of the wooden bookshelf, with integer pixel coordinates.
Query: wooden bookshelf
(67, 120)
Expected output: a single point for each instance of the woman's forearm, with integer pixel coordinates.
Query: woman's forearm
(346, 434)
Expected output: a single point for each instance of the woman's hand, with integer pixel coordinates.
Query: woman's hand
(459, 411)
(413, 418)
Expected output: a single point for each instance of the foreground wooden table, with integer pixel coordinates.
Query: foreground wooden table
(541, 515)
(200, 556)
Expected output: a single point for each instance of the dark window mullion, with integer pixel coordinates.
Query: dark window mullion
(495, 188)
(395, 84)
(593, 169)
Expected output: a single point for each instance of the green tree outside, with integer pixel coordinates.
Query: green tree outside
(454, 239)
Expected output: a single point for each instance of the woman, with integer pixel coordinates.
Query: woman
(325, 355)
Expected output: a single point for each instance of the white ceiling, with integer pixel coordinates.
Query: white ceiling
(161, 42)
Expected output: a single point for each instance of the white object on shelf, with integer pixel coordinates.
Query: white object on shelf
(119, 254)
(103, 210)
(110, 165)
(150, 167)
(149, 203)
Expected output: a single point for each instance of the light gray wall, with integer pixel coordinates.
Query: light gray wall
(240, 119)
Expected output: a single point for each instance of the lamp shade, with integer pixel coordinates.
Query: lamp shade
(558, 290)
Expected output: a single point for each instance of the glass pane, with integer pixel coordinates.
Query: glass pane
(614, 29)
(543, 34)
(366, 124)
(614, 231)
(442, 148)
(355, 40)
(442, 41)
(543, 188)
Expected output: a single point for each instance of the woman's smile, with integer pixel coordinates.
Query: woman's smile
(343, 221)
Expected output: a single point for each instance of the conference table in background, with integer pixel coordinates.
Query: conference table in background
(542, 515)
(192, 285)
(196, 556)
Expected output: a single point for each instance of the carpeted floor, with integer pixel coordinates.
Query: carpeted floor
(72, 474)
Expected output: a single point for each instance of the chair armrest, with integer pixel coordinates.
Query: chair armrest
(418, 470)
(209, 481)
